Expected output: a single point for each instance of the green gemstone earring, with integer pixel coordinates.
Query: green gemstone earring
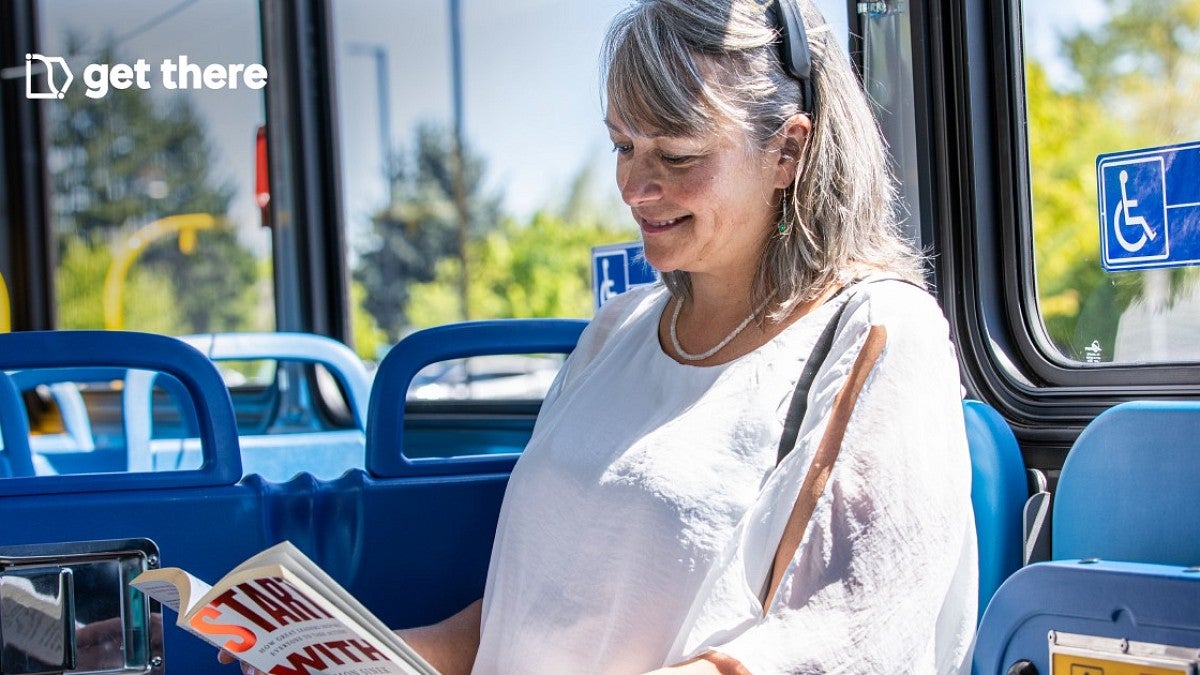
(783, 226)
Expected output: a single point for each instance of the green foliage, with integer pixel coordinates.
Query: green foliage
(369, 339)
(126, 160)
(537, 269)
(420, 227)
(1066, 132)
(1135, 78)
(147, 304)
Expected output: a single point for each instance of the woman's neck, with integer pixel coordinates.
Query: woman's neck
(717, 296)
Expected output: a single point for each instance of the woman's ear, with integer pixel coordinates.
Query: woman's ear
(792, 138)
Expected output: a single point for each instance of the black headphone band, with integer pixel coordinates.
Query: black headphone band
(784, 16)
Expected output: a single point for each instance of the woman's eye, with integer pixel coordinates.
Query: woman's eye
(622, 148)
(676, 159)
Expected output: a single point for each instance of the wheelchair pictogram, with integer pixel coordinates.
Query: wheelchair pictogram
(1134, 232)
(1124, 213)
(610, 276)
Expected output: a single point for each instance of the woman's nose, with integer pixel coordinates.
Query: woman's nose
(638, 181)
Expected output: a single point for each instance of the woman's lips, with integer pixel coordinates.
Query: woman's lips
(660, 225)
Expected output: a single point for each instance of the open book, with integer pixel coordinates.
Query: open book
(283, 615)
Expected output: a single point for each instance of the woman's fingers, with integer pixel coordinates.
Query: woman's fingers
(225, 657)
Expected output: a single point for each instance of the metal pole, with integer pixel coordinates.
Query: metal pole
(383, 91)
(383, 99)
(460, 188)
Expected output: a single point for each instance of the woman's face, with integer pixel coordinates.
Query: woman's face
(704, 204)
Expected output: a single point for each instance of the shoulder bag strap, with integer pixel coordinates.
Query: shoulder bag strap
(823, 459)
(820, 352)
(799, 404)
(831, 442)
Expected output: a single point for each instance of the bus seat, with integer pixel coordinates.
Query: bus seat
(32, 353)
(998, 494)
(278, 456)
(388, 415)
(16, 459)
(1113, 604)
(1127, 488)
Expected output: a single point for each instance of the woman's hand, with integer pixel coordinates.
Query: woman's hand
(225, 657)
(712, 663)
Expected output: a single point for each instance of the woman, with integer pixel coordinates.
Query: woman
(641, 527)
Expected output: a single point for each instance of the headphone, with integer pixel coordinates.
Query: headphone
(784, 16)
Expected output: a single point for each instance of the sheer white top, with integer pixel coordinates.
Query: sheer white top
(640, 523)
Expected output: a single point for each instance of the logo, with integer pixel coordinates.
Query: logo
(173, 73)
(47, 65)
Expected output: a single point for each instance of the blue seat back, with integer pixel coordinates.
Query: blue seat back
(28, 351)
(1137, 602)
(389, 392)
(16, 459)
(1128, 487)
(998, 493)
(324, 453)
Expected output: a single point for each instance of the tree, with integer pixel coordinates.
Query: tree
(1135, 78)
(1065, 130)
(125, 160)
(537, 269)
(418, 230)
(148, 303)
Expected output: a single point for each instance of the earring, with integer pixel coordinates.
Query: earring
(783, 227)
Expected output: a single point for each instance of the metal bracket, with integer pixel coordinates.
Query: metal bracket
(877, 9)
(69, 606)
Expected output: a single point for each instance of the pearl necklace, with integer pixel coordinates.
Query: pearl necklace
(686, 356)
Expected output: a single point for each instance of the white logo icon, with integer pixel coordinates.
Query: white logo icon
(46, 63)
(1131, 220)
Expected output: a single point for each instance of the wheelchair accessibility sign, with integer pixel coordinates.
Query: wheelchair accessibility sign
(617, 268)
(1149, 208)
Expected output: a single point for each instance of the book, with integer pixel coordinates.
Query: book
(282, 614)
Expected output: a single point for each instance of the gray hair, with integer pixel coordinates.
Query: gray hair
(694, 67)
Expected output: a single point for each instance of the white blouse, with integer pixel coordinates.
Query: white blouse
(641, 522)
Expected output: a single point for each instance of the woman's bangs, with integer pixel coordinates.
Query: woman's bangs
(654, 85)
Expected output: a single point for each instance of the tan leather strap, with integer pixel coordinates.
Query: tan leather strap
(823, 459)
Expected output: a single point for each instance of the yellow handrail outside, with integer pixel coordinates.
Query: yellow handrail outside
(186, 225)
(5, 308)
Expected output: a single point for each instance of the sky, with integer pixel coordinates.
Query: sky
(531, 108)
(531, 105)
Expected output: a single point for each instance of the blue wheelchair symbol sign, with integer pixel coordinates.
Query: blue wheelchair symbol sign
(610, 276)
(1134, 194)
(1149, 208)
(617, 268)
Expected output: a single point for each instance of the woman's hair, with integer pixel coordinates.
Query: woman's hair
(695, 67)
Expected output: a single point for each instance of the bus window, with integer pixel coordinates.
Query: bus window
(152, 171)
(1105, 77)
(513, 89)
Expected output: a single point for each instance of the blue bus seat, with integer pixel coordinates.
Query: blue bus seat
(324, 453)
(67, 354)
(83, 446)
(998, 495)
(386, 419)
(16, 458)
(1136, 602)
(1128, 487)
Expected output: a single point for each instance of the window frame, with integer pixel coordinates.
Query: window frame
(978, 148)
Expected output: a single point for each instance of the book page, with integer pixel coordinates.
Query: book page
(172, 587)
